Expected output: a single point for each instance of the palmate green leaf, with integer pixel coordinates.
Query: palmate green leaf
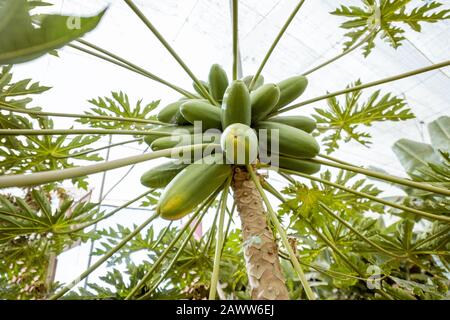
(36, 215)
(17, 94)
(119, 106)
(41, 153)
(386, 19)
(21, 41)
(342, 121)
(439, 131)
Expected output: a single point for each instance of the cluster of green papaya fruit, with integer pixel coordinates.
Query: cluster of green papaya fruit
(237, 119)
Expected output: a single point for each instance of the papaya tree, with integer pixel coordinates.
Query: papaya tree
(221, 137)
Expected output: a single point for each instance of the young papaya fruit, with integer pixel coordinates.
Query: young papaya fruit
(298, 165)
(159, 177)
(197, 89)
(218, 82)
(263, 100)
(291, 89)
(167, 131)
(259, 82)
(236, 105)
(240, 144)
(199, 110)
(300, 122)
(291, 141)
(171, 113)
(192, 186)
(184, 140)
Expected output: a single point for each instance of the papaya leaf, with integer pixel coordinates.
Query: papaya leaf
(413, 154)
(119, 106)
(21, 41)
(386, 20)
(341, 121)
(439, 131)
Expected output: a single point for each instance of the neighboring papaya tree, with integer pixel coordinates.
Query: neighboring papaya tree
(221, 135)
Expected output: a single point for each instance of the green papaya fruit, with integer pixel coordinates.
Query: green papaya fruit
(192, 186)
(236, 105)
(159, 177)
(167, 131)
(218, 82)
(199, 110)
(171, 113)
(290, 90)
(259, 82)
(263, 100)
(292, 142)
(300, 122)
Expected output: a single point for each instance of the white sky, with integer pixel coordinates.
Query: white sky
(200, 32)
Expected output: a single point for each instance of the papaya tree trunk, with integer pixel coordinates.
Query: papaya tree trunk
(260, 249)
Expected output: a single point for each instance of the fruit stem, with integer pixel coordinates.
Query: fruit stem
(219, 242)
(344, 53)
(364, 86)
(370, 197)
(9, 107)
(274, 43)
(127, 65)
(273, 217)
(105, 257)
(170, 49)
(359, 234)
(25, 180)
(386, 177)
(106, 216)
(177, 255)
(79, 154)
(167, 250)
(235, 16)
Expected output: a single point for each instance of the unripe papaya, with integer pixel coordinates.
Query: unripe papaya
(299, 165)
(240, 144)
(236, 106)
(300, 122)
(259, 82)
(184, 140)
(291, 141)
(171, 113)
(197, 89)
(263, 100)
(218, 82)
(192, 186)
(199, 110)
(160, 176)
(167, 131)
(291, 89)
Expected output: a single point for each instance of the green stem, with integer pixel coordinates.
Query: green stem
(169, 248)
(25, 180)
(9, 107)
(50, 132)
(273, 217)
(335, 159)
(227, 230)
(330, 244)
(219, 243)
(370, 197)
(275, 42)
(170, 49)
(359, 234)
(365, 86)
(127, 65)
(175, 258)
(105, 257)
(235, 39)
(91, 223)
(349, 50)
(79, 154)
(431, 238)
(386, 177)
